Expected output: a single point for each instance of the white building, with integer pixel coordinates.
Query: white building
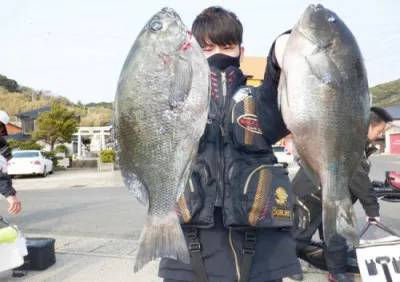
(392, 134)
(87, 142)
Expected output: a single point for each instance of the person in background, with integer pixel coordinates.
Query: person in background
(308, 205)
(6, 188)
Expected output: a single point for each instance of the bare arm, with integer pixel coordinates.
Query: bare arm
(280, 46)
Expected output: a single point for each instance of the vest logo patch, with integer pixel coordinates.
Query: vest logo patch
(250, 123)
(281, 196)
(282, 214)
(280, 211)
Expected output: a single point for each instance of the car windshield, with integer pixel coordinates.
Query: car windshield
(279, 149)
(25, 154)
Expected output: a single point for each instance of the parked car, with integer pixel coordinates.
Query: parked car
(282, 154)
(29, 162)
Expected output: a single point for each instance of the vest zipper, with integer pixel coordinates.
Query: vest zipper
(191, 185)
(234, 255)
(223, 80)
(306, 209)
(315, 197)
(220, 162)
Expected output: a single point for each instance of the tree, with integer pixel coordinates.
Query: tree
(10, 84)
(24, 145)
(57, 125)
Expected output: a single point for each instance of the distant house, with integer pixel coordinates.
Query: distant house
(254, 69)
(28, 119)
(392, 134)
(15, 132)
(13, 128)
(28, 123)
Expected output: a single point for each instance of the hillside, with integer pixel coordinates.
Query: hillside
(16, 98)
(100, 105)
(386, 94)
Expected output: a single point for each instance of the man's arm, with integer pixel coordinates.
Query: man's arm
(266, 96)
(9, 192)
(362, 188)
(6, 188)
(280, 46)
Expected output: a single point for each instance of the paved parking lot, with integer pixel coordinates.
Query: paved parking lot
(96, 224)
(69, 178)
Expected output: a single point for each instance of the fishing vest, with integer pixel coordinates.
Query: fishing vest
(235, 167)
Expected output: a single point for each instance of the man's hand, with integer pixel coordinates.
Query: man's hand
(15, 205)
(373, 220)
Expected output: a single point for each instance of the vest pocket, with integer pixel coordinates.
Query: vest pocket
(260, 196)
(190, 205)
(244, 127)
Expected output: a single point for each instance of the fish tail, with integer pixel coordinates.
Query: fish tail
(161, 237)
(339, 220)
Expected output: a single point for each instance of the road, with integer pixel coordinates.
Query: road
(107, 221)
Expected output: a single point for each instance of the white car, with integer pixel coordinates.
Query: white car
(282, 154)
(29, 162)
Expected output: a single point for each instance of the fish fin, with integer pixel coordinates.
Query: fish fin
(339, 219)
(133, 184)
(181, 83)
(322, 66)
(161, 237)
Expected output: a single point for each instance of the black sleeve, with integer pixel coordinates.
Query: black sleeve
(266, 97)
(6, 188)
(362, 188)
(302, 184)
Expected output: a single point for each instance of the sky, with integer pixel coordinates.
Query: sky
(76, 48)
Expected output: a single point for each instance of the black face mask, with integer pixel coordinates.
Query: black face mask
(222, 61)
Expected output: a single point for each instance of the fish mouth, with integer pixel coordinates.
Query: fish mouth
(316, 7)
(312, 9)
(315, 24)
(188, 42)
(169, 11)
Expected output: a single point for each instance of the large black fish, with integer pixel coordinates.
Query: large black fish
(325, 103)
(160, 114)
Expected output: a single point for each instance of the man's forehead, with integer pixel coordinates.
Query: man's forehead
(209, 43)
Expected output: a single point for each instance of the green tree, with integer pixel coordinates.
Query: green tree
(10, 84)
(57, 125)
(24, 145)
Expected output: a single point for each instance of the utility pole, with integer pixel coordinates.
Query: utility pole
(33, 98)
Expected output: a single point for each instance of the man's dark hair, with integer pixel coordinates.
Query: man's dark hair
(217, 25)
(379, 115)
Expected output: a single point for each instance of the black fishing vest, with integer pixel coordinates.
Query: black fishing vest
(235, 167)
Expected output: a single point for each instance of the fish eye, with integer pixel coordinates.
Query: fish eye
(156, 25)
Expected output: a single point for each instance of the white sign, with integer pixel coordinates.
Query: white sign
(379, 260)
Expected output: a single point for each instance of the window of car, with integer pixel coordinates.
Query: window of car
(25, 154)
(278, 149)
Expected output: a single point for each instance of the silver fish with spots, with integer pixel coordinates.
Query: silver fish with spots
(160, 114)
(324, 99)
